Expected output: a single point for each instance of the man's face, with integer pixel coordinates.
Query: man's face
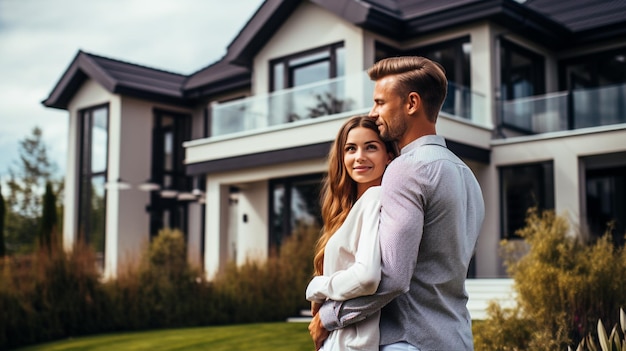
(389, 110)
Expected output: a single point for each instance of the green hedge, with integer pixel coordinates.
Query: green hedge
(47, 297)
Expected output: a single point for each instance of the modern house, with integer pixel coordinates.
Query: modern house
(233, 154)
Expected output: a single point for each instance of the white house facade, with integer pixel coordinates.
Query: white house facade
(234, 154)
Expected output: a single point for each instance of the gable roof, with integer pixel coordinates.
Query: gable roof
(557, 24)
(554, 23)
(117, 77)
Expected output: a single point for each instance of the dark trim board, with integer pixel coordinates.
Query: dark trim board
(308, 152)
(267, 158)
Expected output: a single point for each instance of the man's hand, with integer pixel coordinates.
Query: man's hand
(318, 333)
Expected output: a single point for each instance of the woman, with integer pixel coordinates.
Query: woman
(347, 256)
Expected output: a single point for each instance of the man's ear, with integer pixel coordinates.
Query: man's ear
(414, 102)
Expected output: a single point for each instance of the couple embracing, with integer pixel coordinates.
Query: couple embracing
(391, 263)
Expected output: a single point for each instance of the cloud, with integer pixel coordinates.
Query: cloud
(39, 39)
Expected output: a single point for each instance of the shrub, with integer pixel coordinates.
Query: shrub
(51, 296)
(563, 285)
(616, 341)
(273, 290)
(45, 297)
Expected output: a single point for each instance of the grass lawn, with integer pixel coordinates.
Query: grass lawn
(258, 337)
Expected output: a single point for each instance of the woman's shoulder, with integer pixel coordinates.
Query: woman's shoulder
(373, 191)
(371, 196)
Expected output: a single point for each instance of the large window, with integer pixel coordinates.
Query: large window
(93, 146)
(315, 81)
(308, 67)
(522, 72)
(454, 56)
(168, 154)
(523, 187)
(597, 83)
(606, 201)
(293, 202)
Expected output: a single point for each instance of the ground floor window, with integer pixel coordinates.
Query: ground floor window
(93, 147)
(293, 202)
(523, 187)
(605, 190)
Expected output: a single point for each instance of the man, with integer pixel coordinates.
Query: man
(432, 212)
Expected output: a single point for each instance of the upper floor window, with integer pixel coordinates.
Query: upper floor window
(317, 81)
(523, 187)
(93, 166)
(522, 72)
(308, 67)
(595, 70)
(454, 56)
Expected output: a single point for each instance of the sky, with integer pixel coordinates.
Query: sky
(40, 38)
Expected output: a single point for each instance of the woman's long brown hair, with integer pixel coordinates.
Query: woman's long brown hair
(339, 191)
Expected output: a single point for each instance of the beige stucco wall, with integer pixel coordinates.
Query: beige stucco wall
(309, 27)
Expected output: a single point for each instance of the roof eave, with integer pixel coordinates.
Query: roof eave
(81, 68)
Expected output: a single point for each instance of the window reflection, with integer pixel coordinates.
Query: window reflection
(523, 187)
(93, 170)
(294, 203)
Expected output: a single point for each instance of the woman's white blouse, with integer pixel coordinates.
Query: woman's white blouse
(351, 269)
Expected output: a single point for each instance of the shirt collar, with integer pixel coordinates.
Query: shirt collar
(424, 140)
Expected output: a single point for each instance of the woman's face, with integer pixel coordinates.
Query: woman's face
(365, 157)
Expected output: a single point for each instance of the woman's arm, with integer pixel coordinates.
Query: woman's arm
(363, 276)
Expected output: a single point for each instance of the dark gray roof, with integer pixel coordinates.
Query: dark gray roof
(220, 76)
(558, 24)
(582, 15)
(117, 77)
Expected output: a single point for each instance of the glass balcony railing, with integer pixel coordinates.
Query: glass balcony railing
(324, 98)
(462, 102)
(581, 108)
(314, 100)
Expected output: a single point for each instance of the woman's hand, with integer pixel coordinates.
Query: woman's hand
(318, 333)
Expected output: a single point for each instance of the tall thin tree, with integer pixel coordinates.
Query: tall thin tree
(48, 224)
(2, 215)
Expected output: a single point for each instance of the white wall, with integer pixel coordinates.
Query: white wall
(252, 235)
(565, 149)
(251, 240)
(90, 94)
(309, 27)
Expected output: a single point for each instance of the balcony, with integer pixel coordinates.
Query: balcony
(581, 108)
(318, 100)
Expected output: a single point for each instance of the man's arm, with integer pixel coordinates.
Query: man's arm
(400, 233)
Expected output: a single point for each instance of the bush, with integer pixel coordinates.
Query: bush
(563, 285)
(271, 291)
(45, 296)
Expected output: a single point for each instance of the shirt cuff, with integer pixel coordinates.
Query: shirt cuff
(315, 287)
(328, 315)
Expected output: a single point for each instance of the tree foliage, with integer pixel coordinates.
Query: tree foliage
(27, 177)
(2, 215)
(48, 223)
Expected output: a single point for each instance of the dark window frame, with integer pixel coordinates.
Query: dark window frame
(179, 181)
(537, 76)
(288, 69)
(543, 201)
(275, 239)
(86, 174)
